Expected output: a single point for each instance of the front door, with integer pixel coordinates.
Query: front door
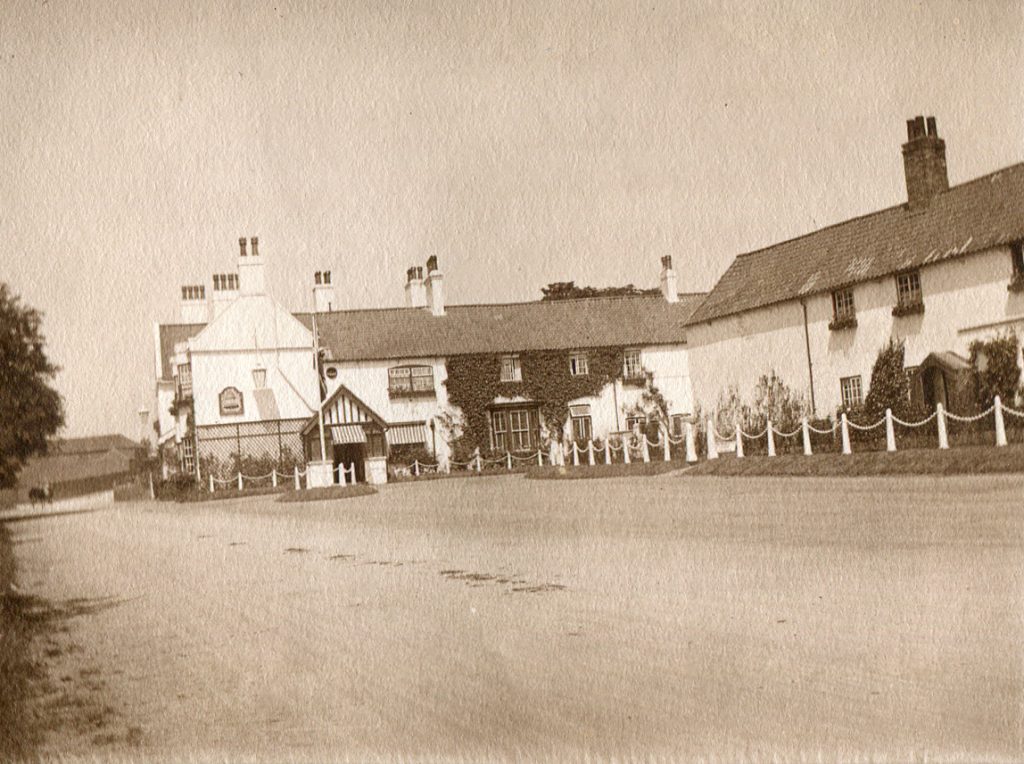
(934, 387)
(349, 454)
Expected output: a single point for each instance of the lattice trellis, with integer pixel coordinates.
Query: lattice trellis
(250, 447)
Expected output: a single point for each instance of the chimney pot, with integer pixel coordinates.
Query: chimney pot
(327, 277)
(431, 263)
(316, 277)
(932, 129)
(254, 243)
(666, 262)
(241, 246)
(910, 129)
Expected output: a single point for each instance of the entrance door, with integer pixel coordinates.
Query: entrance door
(934, 387)
(349, 454)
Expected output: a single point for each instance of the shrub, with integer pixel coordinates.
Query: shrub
(996, 371)
(889, 388)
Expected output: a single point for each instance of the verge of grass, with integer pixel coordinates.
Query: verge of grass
(327, 493)
(18, 733)
(586, 472)
(224, 493)
(486, 472)
(955, 461)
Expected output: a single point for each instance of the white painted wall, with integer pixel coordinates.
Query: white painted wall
(958, 294)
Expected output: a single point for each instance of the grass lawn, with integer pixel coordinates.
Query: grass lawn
(955, 461)
(585, 471)
(329, 492)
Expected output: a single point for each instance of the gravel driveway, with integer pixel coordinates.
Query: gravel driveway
(503, 617)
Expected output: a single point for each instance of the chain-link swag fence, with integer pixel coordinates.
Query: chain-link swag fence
(253, 448)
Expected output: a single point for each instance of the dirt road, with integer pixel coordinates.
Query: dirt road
(501, 617)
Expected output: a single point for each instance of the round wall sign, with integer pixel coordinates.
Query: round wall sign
(331, 372)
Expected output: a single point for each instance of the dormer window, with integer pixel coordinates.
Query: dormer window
(511, 370)
(908, 294)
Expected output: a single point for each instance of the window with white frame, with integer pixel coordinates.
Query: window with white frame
(519, 429)
(850, 389)
(631, 366)
(582, 428)
(578, 364)
(908, 289)
(842, 304)
(411, 380)
(511, 371)
(499, 430)
(636, 422)
(188, 460)
(184, 380)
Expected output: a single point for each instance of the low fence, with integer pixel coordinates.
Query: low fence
(941, 429)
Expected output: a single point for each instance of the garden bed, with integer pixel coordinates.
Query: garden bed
(328, 493)
(585, 471)
(954, 461)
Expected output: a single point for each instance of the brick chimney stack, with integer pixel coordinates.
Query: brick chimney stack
(250, 268)
(924, 162)
(324, 296)
(435, 287)
(415, 290)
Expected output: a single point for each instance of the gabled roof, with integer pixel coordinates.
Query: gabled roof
(252, 321)
(171, 335)
(391, 333)
(968, 218)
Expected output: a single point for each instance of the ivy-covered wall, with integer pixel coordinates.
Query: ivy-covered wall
(474, 382)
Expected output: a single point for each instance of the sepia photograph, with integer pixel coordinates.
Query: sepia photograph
(512, 381)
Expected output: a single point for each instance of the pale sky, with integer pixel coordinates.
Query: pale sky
(520, 142)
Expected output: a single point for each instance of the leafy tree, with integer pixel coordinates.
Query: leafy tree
(996, 371)
(567, 290)
(31, 411)
(889, 388)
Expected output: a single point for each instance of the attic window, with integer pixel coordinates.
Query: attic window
(908, 294)
(511, 370)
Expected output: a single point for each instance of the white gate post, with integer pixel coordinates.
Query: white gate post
(712, 445)
(625, 448)
(273, 477)
(415, 468)
(666, 453)
(807, 436)
(1000, 425)
(739, 440)
(239, 481)
(940, 419)
(890, 434)
(691, 448)
(575, 455)
(771, 439)
(297, 486)
(608, 450)
(352, 471)
(645, 449)
(590, 452)
(845, 430)
(342, 477)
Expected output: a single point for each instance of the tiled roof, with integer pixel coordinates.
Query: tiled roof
(554, 325)
(967, 218)
(93, 444)
(170, 335)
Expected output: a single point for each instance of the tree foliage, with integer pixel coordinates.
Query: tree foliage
(773, 399)
(889, 388)
(567, 290)
(31, 411)
(996, 371)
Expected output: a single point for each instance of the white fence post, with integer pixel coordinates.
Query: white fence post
(476, 456)
(590, 452)
(540, 458)
(666, 453)
(691, 448)
(415, 467)
(645, 449)
(508, 460)
(575, 455)
(739, 440)
(771, 439)
(273, 477)
(940, 420)
(1000, 425)
(239, 481)
(352, 472)
(890, 434)
(342, 477)
(297, 486)
(607, 450)
(805, 426)
(625, 449)
(845, 430)
(212, 489)
(712, 445)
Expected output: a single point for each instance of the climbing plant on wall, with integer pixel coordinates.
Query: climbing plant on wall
(474, 382)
